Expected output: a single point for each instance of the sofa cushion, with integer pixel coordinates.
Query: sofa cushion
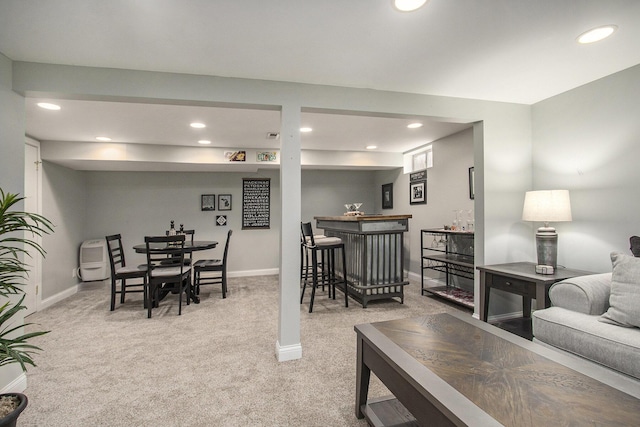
(584, 294)
(624, 300)
(609, 345)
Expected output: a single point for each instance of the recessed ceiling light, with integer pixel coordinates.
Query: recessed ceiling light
(103, 138)
(596, 34)
(198, 125)
(371, 147)
(204, 142)
(408, 5)
(414, 125)
(48, 106)
(305, 129)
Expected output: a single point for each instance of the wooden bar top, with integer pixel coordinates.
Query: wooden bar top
(351, 218)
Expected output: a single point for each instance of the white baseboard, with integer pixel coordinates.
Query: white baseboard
(506, 316)
(57, 297)
(74, 289)
(18, 385)
(248, 273)
(414, 276)
(288, 352)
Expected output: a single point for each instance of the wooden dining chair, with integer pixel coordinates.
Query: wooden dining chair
(188, 236)
(217, 266)
(121, 272)
(166, 278)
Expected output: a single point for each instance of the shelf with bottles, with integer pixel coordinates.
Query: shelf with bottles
(450, 252)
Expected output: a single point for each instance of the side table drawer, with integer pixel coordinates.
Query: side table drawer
(514, 286)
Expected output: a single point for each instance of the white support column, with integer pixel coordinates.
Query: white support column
(288, 346)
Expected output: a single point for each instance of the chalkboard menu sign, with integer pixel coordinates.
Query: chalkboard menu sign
(256, 202)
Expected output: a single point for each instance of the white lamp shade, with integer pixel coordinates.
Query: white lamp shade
(547, 206)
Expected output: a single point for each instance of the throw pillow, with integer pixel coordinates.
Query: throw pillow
(635, 245)
(624, 300)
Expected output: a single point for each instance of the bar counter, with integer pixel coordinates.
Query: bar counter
(374, 246)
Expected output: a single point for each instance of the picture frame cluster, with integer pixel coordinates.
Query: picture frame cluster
(208, 202)
(224, 203)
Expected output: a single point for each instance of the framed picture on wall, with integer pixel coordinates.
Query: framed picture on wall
(418, 192)
(472, 183)
(224, 202)
(387, 196)
(208, 202)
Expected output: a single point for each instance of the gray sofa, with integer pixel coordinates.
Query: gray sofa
(574, 323)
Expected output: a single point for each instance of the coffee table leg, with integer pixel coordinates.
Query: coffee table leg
(363, 374)
(526, 307)
(484, 297)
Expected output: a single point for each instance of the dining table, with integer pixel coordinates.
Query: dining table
(189, 247)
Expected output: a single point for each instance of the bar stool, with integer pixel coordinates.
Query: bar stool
(305, 267)
(327, 247)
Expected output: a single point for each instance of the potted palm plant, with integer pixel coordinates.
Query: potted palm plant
(15, 229)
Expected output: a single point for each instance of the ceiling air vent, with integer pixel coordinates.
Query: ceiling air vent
(272, 135)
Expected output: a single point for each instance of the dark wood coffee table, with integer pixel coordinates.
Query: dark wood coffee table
(453, 370)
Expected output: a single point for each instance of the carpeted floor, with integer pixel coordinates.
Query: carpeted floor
(213, 366)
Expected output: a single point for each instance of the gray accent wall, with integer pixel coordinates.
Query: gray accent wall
(587, 140)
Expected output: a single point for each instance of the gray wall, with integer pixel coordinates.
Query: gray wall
(587, 140)
(447, 189)
(88, 205)
(502, 147)
(11, 163)
(324, 193)
(64, 201)
(138, 204)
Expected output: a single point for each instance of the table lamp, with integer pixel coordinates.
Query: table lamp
(547, 206)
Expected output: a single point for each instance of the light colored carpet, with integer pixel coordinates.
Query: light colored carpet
(213, 366)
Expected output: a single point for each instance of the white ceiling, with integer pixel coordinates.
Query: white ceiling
(519, 51)
(79, 121)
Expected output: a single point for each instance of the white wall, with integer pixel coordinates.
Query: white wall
(587, 140)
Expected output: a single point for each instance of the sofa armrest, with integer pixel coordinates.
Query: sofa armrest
(584, 294)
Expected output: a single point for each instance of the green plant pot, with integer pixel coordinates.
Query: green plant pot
(11, 419)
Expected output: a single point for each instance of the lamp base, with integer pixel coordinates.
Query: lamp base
(547, 246)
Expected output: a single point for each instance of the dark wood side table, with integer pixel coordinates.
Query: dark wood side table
(520, 278)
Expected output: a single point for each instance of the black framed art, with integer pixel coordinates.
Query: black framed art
(256, 203)
(224, 202)
(418, 192)
(208, 202)
(387, 196)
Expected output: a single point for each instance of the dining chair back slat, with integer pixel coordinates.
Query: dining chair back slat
(173, 259)
(121, 272)
(216, 266)
(165, 278)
